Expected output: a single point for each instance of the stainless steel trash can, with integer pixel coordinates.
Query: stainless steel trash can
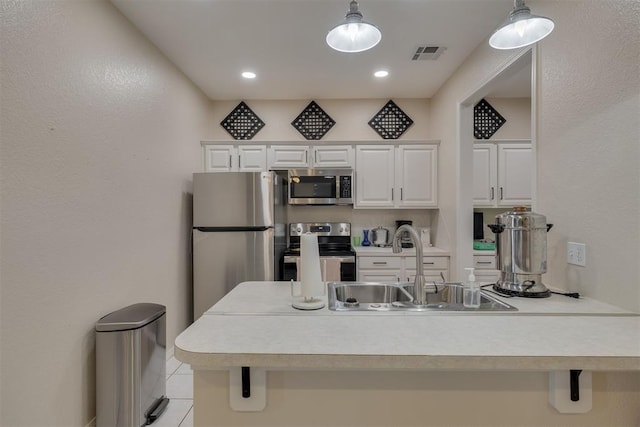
(131, 366)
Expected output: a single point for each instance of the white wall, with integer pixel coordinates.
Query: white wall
(588, 162)
(517, 113)
(100, 135)
(589, 146)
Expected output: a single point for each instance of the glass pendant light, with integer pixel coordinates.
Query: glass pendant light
(521, 28)
(353, 34)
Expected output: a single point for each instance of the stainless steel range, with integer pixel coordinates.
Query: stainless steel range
(337, 258)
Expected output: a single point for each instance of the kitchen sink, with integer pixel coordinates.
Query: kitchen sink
(372, 296)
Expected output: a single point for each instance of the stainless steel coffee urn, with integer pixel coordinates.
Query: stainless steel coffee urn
(521, 252)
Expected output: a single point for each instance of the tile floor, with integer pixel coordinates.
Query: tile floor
(179, 413)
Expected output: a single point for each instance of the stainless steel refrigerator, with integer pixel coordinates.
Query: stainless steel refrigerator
(239, 232)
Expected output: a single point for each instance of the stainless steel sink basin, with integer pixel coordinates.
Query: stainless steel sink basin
(371, 296)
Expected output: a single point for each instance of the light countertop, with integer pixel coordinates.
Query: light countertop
(255, 325)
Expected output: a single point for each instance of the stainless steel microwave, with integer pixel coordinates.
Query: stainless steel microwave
(320, 187)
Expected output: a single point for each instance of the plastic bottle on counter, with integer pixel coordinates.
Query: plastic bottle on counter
(471, 291)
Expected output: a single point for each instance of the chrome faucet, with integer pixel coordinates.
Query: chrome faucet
(419, 283)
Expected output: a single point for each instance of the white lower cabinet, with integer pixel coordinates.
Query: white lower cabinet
(485, 268)
(401, 268)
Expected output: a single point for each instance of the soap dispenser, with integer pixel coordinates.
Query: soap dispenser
(471, 292)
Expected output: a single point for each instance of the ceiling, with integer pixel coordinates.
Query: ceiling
(282, 41)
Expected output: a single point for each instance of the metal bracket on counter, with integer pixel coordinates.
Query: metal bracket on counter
(570, 391)
(247, 389)
(246, 382)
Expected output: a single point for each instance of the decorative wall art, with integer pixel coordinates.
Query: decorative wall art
(313, 122)
(486, 120)
(242, 122)
(390, 122)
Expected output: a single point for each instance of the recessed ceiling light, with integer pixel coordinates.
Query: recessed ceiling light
(249, 75)
(381, 73)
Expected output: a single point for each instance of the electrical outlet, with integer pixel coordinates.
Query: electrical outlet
(576, 253)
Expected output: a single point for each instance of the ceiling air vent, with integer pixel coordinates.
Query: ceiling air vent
(427, 53)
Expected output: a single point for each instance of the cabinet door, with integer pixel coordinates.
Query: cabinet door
(374, 176)
(485, 174)
(416, 183)
(252, 158)
(220, 158)
(388, 276)
(333, 156)
(288, 156)
(514, 174)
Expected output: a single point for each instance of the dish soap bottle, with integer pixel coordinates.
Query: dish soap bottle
(471, 291)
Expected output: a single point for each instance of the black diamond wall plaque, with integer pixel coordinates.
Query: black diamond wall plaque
(242, 123)
(390, 122)
(313, 122)
(486, 120)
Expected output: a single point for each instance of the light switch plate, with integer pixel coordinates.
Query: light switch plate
(577, 253)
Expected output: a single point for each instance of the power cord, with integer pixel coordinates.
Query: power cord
(567, 294)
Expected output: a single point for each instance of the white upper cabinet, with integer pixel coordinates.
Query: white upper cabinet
(288, 156)
(232, 158)
(502, 174)
(252, 158)
(416, 176)
(219, 158)
(403, 176)
(333, 156)
(304, 156)
(515, 163)
(375, 176)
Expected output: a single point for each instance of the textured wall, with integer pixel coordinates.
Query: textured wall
(589, 146)
(100, 134)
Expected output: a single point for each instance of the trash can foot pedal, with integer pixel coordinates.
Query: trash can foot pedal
(157, 409)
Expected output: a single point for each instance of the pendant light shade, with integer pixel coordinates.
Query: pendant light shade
(353, 34)
(521, 28)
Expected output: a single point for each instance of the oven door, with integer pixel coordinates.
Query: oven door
(332, 268)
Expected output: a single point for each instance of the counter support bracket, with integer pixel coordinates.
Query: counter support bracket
(247, 389)
(570, 391)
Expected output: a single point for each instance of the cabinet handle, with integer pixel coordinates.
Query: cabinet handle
(392, 194)
(429, 262)
(380, 263)
(239, 163)
(401, 193)
(230, 160)
(492, 195)
(483, 262)
(306, 157)
(501, 195)
(316, 156)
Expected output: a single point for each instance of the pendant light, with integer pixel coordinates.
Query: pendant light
(353, 34)
(521, 28)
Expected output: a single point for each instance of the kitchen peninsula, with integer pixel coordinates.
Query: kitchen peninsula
(325, 367)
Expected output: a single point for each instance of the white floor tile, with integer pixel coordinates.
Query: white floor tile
(188, 420)
(180, 387)
(175, 413)
(172, 365)
(184, 369)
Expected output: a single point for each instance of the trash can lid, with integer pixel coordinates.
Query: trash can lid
(132, 317)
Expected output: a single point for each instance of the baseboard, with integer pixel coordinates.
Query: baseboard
(91, 423)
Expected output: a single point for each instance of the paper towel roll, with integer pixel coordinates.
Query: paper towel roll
(310, 274)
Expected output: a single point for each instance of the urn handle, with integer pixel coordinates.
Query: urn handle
(496, 228)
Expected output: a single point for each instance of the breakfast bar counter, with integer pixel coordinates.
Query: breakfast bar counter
(255, 326)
